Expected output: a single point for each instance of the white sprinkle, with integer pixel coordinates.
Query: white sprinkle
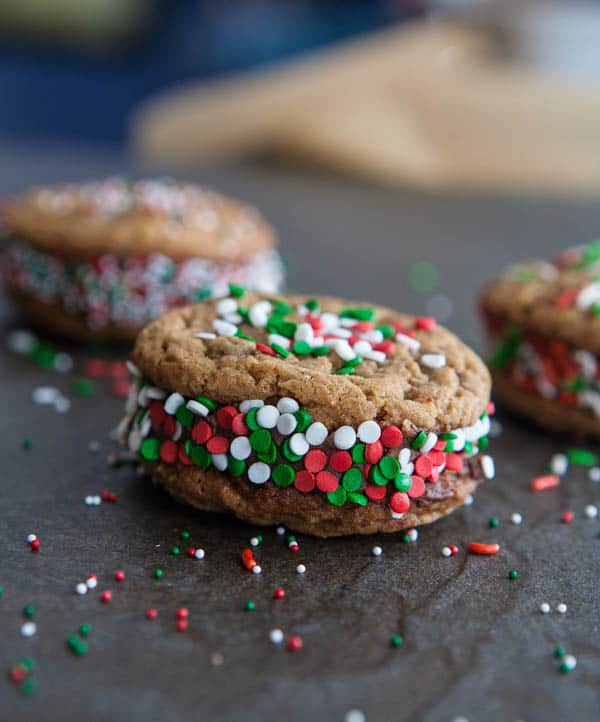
(446, 552)
(220, 461)
(206, 335)
(31, 538)
(28, 629)
(300, 569)
(197, 407)
(433, 360)
(178, 431)
(376, 551)
(344, 437)
(369, 432)
(248, 404)
(396, 515)
(545, 608)
(173, 402)
(588, 295)
(569, 661)
(408, 341)
(377, 356)
(132, 368)
(304, 332)
(355, 715)
(374, 336)
(561, 608)
(89, 500)
(224, 328)
(286, 424)
(516, 518)
(316, 433)
(62, 405)
(559, 464)
(63, 362)
(233, 318)
(487, 466)
(594, 473)
(267, 417)
(91, 583)
(226, 305)
(362, 347)
(240, 448)
(429, 443)
(259, 472)
(153, 392)
(21, 341)
(256, 569)
(81, 588)
(276, 636)
(258, 314)
(413, 534)
(299, 444)
(278, 339)
(341, 348)
(199, 554)
(469, 500)
(45, 395)
(591, 511)
(280, 530)
(254, 542)
(286, 405)
(97, 500)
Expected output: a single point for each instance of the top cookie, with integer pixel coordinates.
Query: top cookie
(124, 218)
(343, 362)
(560, 300)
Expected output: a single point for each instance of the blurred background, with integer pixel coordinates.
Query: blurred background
(437, 95)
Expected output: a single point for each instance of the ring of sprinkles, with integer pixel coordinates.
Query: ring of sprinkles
(278, 442)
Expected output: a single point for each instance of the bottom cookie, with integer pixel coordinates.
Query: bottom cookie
(548, 413)
(266, 505)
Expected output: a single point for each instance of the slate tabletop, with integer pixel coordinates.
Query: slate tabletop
(475, 643)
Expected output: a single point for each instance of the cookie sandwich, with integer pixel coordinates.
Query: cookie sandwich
(101, 259)
(543, 325)
(329, 417)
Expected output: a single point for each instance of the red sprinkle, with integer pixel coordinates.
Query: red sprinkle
(479, 548)
(218, 445)
(375, 492)
(181, 625)
(454, 549)
(35, 545)
(567, 517)
(294, 643)
(201, 432)
(391, 437)
(182, 613)
(169, 451)
(119, 575)
(315, 460)
(106, 596)
(373, 452)
(238, 425)
(225, 416)
(547, 481)
(18, 673)
(279, 593)
(151, 614)
(265, 349)
(326, 481)
(399, 502)
(191, 551)
(304, 481)
(417, 488)
(425, 323)
(339, 461)
(108, 496)
(423, 466)
(454, 462)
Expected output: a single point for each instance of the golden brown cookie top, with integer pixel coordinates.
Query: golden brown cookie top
(124, 218)
(560, 300)
(343, 362)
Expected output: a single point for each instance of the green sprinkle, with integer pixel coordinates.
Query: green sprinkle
(1, 591)
(236, 291)
(281, 308)
(513, 574)
(337, 497)
(28, 664)
(76, 645)
(396, 641)
(389, 467)
(249, 606)
(301, 348)
(359, 314)
(345, 371)
(352, 479)
(175, 551)
(26, 443)
(185, 534)
(419, 440)
(483, 443)
(28, 611)
(288, 453)
(423, 276)
(84, 387)
(260, 440)
(448, 436)
(406, 538)
(85, 630)
(449, 446)
(150, 449)
(596, 309)
(312, 304)
(251, 421)
(236, 467)
(356, 361)
(244, 337)
(507, 351)
(469, 448)
(559, 652)
(582, 457)
(357, 498)
(209, 403)
(320, 351)
(402, 482)
(244, 313)
(158, 573)
(303, 419)
(493, 522)
(269, 456)
(386, 331)
(590, 255)
(184, 416)
(358, 453)
(283, 474)
(200, 456)
(283, 352)
(376, 476)
(565, 668)
(27, 686)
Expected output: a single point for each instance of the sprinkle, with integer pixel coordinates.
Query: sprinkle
(446, 552)
(559, 652)
(582, 457)
(568, 663)
(91, 582)
(119, 575)
(594, 473)
(513, 574)
(516, 518)
(433, 360)
(224, 328)
(35, 545)
(542, 483)
(85, 630)
(300, 569)
(28, 629)
(256, 569)
(81, 588)
(487, 549)
(591, 511)
(355, 715)
(279, 593)
(173, 402)
(316, 434)
(396, 641)
(158, 573)
(344, 437)
(181, 625)
(151, 614)
(259, 472)
(276, 636)
(493, 522)
(559, 464)
(294, 644)
(280, 530)
(77, 646)
(369, 432)
(376, 551)
(545, 608)
(206, 335)
(199, 554)
(249, 606)
(31, 538)
(561, 608)
(487, 466)
(106, 596)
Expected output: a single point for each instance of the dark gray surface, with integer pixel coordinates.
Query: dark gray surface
(476, 644)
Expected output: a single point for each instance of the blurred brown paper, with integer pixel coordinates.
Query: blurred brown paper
(426, 105)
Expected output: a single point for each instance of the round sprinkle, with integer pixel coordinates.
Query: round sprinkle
(446, 552)
(286, 424)
(259, 472)
(31, 538)
(199, 554)
(344, 437)
(355, 715)
(173, 402)
(298, 444)
(559, 464)
(294, 643)
(81, 588)
(267, 417)
(287, 405)
(516, 518)
(591, 511)
(151, 614)
(559, 652)
(569, 662)
(276, 636)
(240, 448)
(545, 608)
(91, 582)
(279, 593)
(106, 596)
(493, 522)
(396, 641)
(369, 432)
(561, 608)
(594, 473)
(376, 551)
(300, 569)
(249, 606)
(256, 569)
(28, 629)
(316, 434)
(513, 574)
(433, 360)
(119, 575)
(280, 530)
(158, 573)
(254, 542)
